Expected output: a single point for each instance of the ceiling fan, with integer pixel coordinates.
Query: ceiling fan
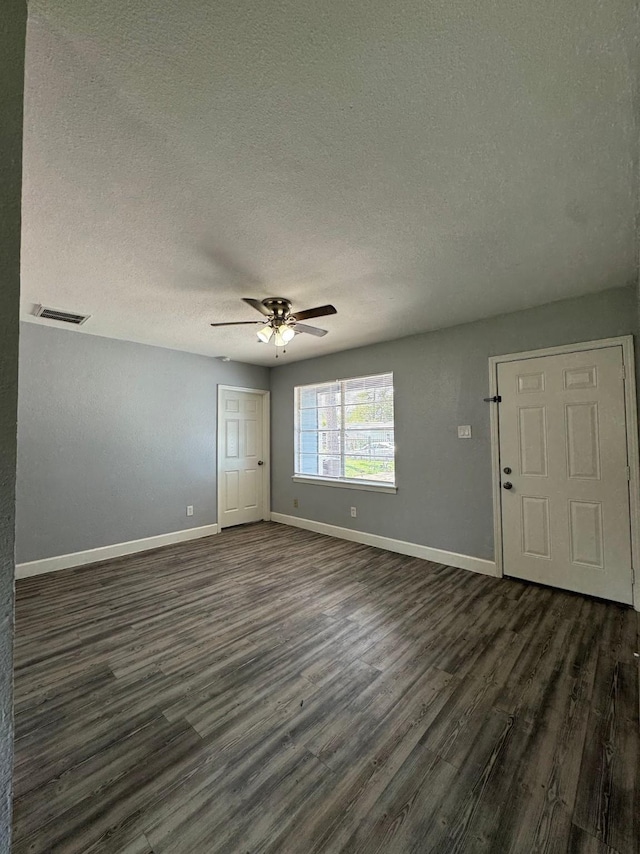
(281, 323)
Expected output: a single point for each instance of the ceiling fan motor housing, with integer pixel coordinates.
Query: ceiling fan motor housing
(280, 307)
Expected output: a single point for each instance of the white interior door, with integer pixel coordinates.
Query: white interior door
(565, 502)
(241, 468)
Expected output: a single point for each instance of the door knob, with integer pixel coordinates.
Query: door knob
(508, 485)
(260, 462)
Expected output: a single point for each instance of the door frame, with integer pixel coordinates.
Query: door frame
(266, 448)
(631, 413)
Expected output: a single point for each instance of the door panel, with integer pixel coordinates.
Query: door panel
(583, 441)
(232, 438)
(585, 524)
(241, 469)
(533, 441)
(232, 490)
(250, 498)
(580, 377)
(566, 518)
(535, 527)
(250, 438)
(530, 383)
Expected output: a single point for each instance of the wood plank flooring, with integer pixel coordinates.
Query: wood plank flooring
(276, 691)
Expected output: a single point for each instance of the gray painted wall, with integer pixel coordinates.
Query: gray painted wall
(114, 440)
(444, 483)
(13, 18)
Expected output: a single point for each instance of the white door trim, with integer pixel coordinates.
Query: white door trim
(266, 440)
(631, 411)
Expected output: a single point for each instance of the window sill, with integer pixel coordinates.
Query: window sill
(346, 484)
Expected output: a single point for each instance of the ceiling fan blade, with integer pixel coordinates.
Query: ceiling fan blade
(320, 311)
(255, 303)
(237, 323)
(310, 330)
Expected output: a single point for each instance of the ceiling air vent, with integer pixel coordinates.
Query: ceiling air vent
(62, 316)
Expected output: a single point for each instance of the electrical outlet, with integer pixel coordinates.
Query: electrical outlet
(189, 509)
(295, 503)
(354, 512)
(464, 432)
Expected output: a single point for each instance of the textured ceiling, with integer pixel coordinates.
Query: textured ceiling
(418, 163)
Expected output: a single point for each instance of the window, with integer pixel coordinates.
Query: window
(344, 431)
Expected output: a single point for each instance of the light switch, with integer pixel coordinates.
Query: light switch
(464, 432)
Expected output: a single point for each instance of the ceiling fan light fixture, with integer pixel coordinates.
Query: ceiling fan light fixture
(265, 334)
(286, 332)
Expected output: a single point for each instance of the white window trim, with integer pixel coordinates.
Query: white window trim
(364, 485)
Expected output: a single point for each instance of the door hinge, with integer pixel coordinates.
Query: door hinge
(495, 399)
(628, 473)
(624, 372)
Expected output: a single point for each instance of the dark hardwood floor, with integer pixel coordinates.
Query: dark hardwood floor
(273, 690)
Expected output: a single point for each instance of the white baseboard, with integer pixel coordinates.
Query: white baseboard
(52, 564)
(474, 564)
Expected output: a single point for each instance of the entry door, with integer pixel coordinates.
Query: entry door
(565, 503)
(241, 465)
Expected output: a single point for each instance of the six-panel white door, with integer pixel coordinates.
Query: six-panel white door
(241, 465)
(565, 503)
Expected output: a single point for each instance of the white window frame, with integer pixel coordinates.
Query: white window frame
(342, 482)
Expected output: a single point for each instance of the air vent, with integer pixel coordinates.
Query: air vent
(62, 316)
